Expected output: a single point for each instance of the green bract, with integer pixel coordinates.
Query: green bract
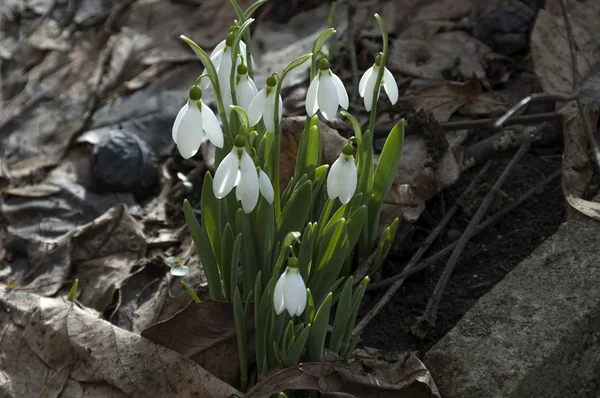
(302, 238)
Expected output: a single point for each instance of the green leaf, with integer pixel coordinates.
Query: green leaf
(318, 177)
(264, 231)
(238, 10)
(205, 252)
(249, 256)
(383, 248)
(227, 257)
(287, 336)
(319, 331)
(332, 252)
(345, 210)
(354, 225)
(309, 152)
(357, 298)
(351, 347)
(240, 328)
(342, 314)
(295, 351)
(389, 161)
(262, 331)
(209, 206)
(305, 253)
(309, 312)
(287, 192)
(235, 261)
(295, 213)
(73, 290)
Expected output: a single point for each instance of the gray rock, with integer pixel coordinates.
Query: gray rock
(537, 333)
(123, 162)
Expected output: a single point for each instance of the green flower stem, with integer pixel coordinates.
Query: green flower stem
(234, 55)
(384, 35)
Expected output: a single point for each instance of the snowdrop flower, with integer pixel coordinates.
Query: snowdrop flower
(245, 89)
(238, 170)
(326, 92)
(366, 86)
(342, 178)
(263, 106)
(290, 290)
(221, 59)
(194, 120)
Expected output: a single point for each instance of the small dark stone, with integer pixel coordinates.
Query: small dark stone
(123, 162)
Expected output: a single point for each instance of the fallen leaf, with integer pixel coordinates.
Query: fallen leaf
(405, 377)
(204, 332)
(60, 333)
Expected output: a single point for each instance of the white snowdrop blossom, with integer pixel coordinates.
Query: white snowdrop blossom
(263, 106)
(290, 291)
(221, 59)
(194, 120)
(245, 88)
(264, 185)
(238, 169)
(326, 92)
(366, 86)
(342, 178)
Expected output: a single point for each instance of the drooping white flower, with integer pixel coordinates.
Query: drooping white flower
(263, 106)
(194, 120)
(366, 86)
(342, 178)
(326, 92)
(290, 291)
(221, 59)
(265, 188)
(238, 161)
(245, 89)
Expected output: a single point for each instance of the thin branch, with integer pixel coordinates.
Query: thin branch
(417, 256)
(423, 323)
(428, 262)
(531, 98)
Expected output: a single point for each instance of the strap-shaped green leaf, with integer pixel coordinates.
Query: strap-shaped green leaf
(253, 7)
(249, 259)
(227, 256)
(235, 261)
(305, 253)
(287, 336)
(332, 252)
(317, 47)
(190, 291)
(354, 225)
(357, 297)
(296, 63)
(294, 215)
(209, 205)
(383, 248)
(297, 348)
(309, 152)
(205, 252)
(318, 331)
(342, 314)
(262, 331)
(264, 235)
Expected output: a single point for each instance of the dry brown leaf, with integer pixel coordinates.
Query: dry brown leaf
(368, 377)
(587, 11)
(444, 99)
(62, 333)
(552, 57)
(204, 332)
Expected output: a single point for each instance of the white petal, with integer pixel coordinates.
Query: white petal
(333, 178)
(248, 183)
(245, 92)
(370, 86)
(327, 97)
(363, 81)
(218, 48)
(224, 72)
(215, 57)
(278, 300)
(390, 86)
(189, 132)
(294, 291)
(178, 121)
(341, 91)
(311, 97)
(257, 106)
(238, 178)
(269, 112)
(348, 180)
(266, 188)
(212, 126)
(280, 108)
(242, 50)
(226, 175)
(238, 190)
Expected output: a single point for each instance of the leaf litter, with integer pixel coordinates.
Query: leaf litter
(122, 336)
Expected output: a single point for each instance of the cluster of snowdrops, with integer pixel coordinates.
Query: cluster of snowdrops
(288, 254)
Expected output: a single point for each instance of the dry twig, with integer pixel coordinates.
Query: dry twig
(423, 323)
